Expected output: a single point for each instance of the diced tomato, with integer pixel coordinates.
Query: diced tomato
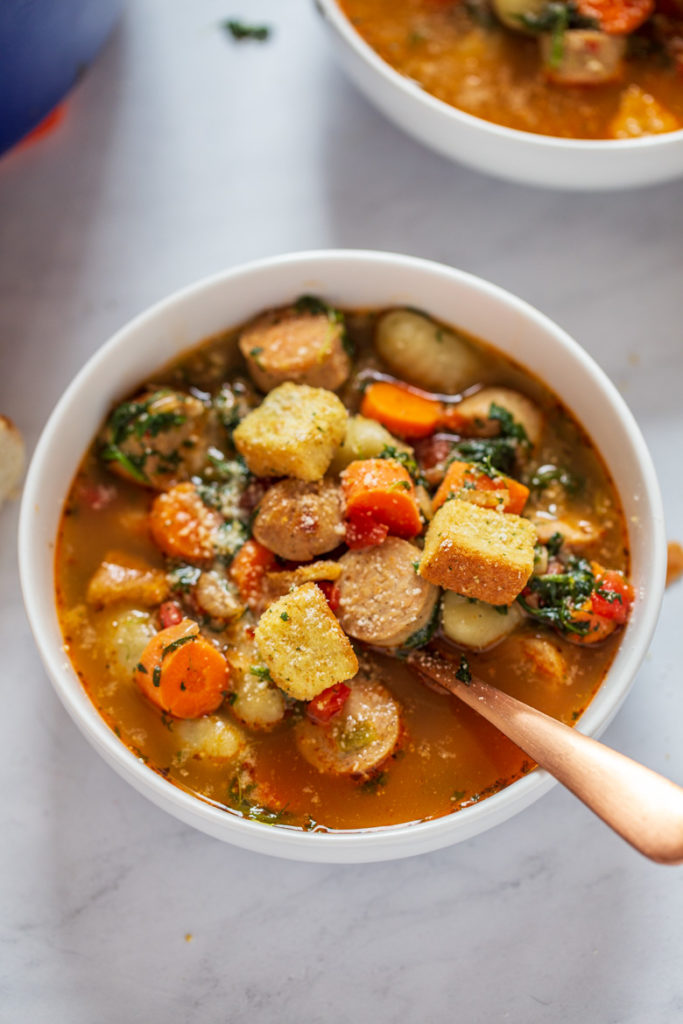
(328, 703)
(331, 592)
(363, 531)
(97, 496)
(612, 597)
(170, 614)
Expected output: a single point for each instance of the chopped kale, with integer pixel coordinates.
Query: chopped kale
(376, 782)
(133, 464)
(464, 673)
(554, 543)
(240, 31)
(315, 306)
(494, 455)
(554, 19)
(560, 595)
(422, 636)
(312, 304)
(509, 427)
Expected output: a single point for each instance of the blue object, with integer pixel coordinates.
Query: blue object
(45, 45)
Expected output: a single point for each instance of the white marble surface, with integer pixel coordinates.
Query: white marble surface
(183, 153)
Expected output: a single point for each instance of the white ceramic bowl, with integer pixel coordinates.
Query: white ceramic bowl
(505, 152)
(352, 279)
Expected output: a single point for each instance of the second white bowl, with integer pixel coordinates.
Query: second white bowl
(348, 279)
(505, 152)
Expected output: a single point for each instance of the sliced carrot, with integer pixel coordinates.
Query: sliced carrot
(382, 489)
(599, 627)
(464, 478)
(617, 17)
(401, 411)
(182, 673)
(182, 525)
(248, 569)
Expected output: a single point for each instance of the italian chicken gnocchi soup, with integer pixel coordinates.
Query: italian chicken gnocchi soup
(582, 69)
(262, 532)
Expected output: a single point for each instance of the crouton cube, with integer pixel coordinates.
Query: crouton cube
(303, 645)
(295, 431)
(123, 577)
(478, 552)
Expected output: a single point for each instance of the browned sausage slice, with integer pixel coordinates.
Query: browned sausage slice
(382, 600)
(299, 520)
(359, 738)
(288, 345)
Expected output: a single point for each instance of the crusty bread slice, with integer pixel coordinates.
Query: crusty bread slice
(12, 455)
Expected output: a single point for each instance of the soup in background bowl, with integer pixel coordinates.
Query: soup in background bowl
(469, 85)
(256, 535)
(586, 70)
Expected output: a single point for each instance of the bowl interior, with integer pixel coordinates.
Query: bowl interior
(359, 279)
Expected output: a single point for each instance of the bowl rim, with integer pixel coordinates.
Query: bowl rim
(345, 846)
(331, 10)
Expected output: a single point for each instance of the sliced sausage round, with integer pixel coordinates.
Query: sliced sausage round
(359, 737)
(382, 599)
(300, 520)
(289, 345)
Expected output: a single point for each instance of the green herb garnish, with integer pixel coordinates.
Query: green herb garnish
(560, 595)
(390, 451)
(464, 673)
(240, 31)
(261, 672)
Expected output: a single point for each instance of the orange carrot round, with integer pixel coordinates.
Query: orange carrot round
(382, 489)
(599, 627)
(462, 477)
(248, 568)
(182, 673)
(181, 524)
(401, 411)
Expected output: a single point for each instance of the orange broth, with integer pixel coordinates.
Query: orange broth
(496, 74)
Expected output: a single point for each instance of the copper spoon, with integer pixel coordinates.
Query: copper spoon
(641, 806)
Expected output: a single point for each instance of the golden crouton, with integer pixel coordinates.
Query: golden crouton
(303, 645)
(478, 552)
(294, 432)
(123, 577)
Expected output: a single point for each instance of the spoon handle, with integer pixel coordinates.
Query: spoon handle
(641, 806)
